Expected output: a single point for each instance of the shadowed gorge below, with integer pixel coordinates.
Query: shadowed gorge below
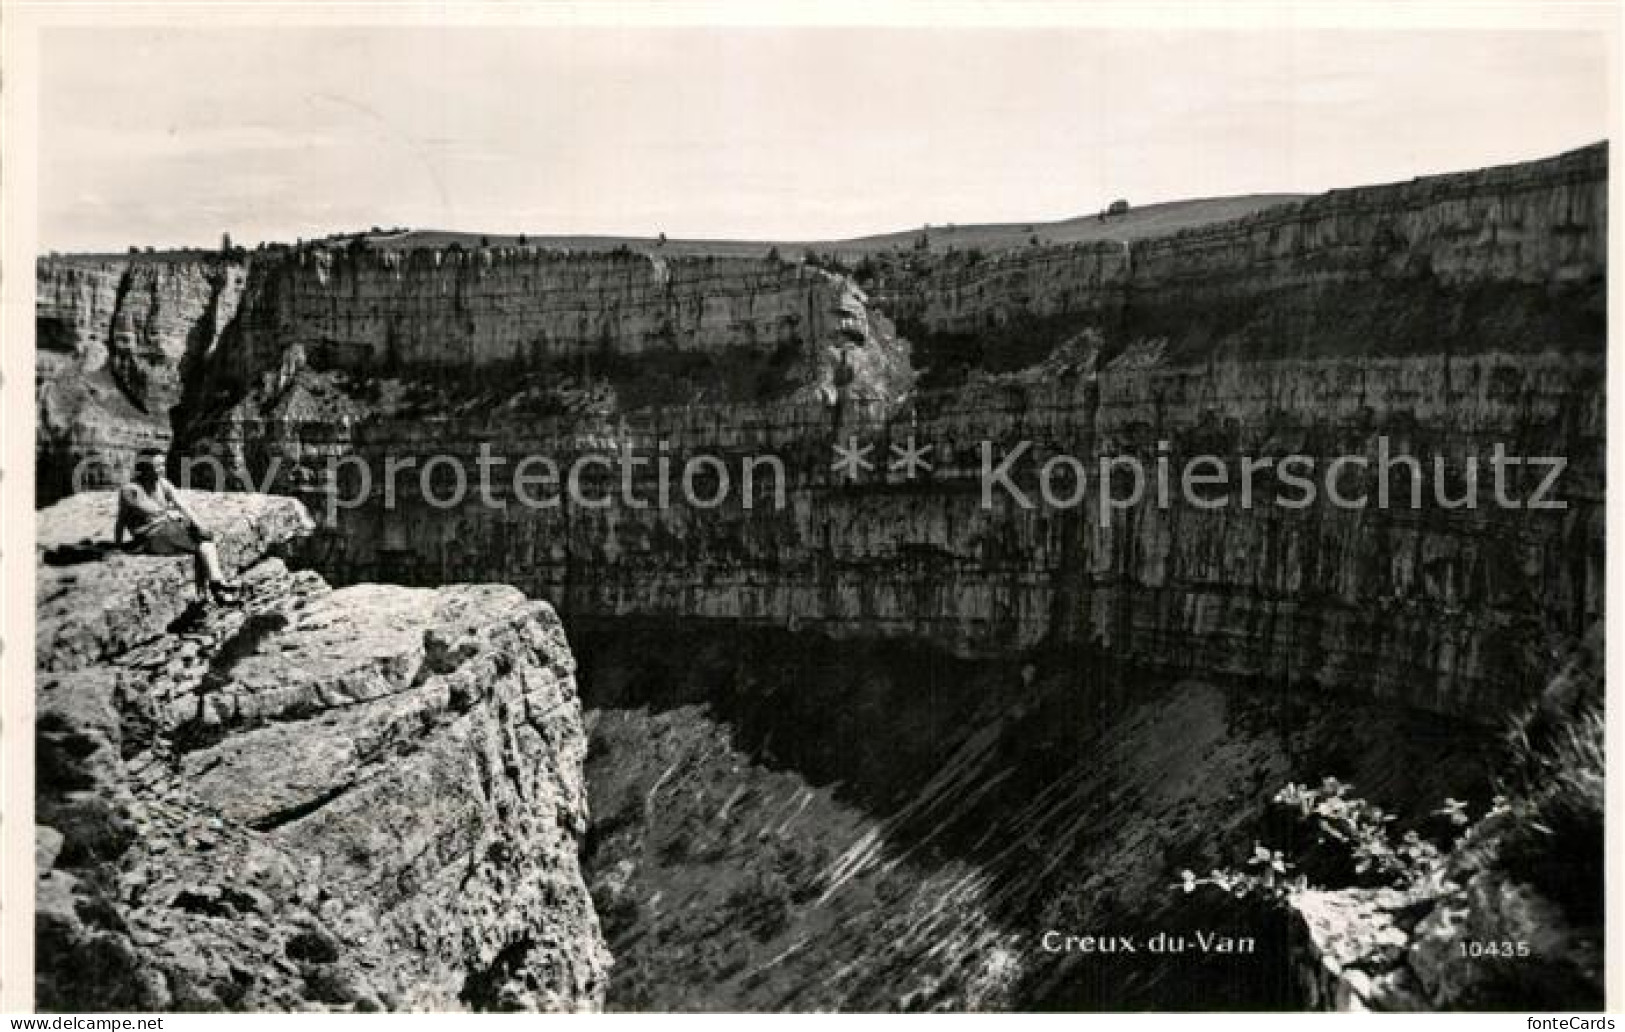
(755, 844)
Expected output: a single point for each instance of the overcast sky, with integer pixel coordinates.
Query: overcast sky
(170, 137)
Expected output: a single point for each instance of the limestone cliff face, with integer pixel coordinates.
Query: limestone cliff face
(74, 306)
(1451, 610)
(366, 798)
(1432, 320)
(114, 339)
(1541, 223)
(378, 312)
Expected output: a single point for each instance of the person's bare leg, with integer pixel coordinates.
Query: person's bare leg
(208, 559)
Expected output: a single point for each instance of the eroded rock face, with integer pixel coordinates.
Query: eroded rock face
(114, 338)
(1539, 223)
(453, 312)
(1435, 320)
(368, 798)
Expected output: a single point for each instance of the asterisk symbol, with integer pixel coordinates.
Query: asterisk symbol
(910, 458)
(852, 459)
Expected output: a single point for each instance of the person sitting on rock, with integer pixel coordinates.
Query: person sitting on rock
(151, 512)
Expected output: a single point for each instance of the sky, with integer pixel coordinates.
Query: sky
(170, 137)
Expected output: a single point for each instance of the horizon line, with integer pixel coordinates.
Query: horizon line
(1278, 199)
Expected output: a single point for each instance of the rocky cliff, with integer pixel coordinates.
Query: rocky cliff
(515, 310)
(114, 339)
(1434, 320)
(1541, 224)
(961, 657)
(366, 798)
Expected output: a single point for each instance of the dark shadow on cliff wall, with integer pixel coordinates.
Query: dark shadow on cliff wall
(951, 813)
(1389, 317)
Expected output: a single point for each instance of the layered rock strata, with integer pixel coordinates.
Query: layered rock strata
(509, 310)
(1438, 319)
(359, 799)
(1540, 224)
(1435, 321)
(113, 340)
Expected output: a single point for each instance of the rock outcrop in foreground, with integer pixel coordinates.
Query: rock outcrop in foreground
(1511, 918)
(367, 798)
